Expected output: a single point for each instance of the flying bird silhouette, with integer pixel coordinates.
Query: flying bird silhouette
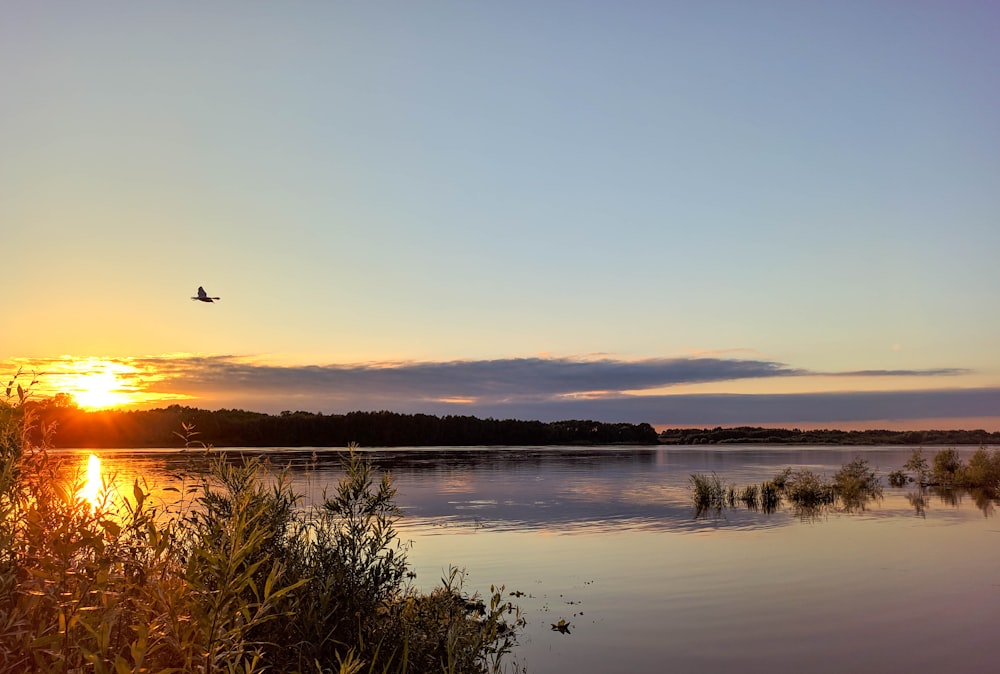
(203, 296)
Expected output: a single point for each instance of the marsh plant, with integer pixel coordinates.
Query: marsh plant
(946, 470)
(237, 576)
(855, 484)
(917, 468)
(852, 487)
(710, 494)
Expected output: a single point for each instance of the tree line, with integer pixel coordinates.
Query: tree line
(795, 436)
(162, 427)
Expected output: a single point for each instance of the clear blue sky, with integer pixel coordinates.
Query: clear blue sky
(521, 208)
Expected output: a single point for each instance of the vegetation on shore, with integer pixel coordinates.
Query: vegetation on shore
(854, 485)
(240, 428)
(794, 436)
(235, 576)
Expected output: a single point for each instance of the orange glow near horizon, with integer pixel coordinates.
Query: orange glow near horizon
(98, 383)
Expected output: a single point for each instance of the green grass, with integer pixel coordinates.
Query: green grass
(238, 576)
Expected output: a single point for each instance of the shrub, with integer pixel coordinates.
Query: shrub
(806, 488)
(918, 468)
(855, 483)
(983, 471)
(948, 468)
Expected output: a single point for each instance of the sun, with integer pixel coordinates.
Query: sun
(98, 390)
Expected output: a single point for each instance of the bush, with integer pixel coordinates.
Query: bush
(983, 471)
(855, 483)
(239, 577)
(948, 468)
(917, 466)
(806, 488)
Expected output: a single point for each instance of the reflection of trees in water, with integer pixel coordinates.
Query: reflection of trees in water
(984, 499)
(918, 499)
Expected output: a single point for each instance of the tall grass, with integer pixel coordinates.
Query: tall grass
(806, 491)
(237, 576)
(856, 484)
(710, 494)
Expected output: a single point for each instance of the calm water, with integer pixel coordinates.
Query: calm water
(606, 538)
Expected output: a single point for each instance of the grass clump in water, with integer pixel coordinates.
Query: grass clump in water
(856, 483)
(709, 493)
(808, 489)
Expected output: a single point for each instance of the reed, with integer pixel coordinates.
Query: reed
(807, 489)
(770, 497)
(708, 492)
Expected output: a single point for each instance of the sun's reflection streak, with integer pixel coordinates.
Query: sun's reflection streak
(92, 486)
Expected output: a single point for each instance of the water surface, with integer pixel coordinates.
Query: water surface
(607, 539)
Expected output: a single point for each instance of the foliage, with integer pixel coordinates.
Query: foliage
(947, 468)
(855, 484)
(237, 577)
(917, 467)
(240, 428)
(808, 489)
(709, 493)
(983, 471)
(795, 436)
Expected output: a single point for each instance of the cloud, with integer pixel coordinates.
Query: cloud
(762, 409)
(933, 372)
(484, 381)
(547, 389)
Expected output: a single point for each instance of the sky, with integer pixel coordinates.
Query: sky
(680, 213)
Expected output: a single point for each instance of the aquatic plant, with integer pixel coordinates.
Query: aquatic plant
(750, 497)
(856, 483)
(806, 488)
(781, 478)
(770, 497)
(983, 471)
(947, 469)
(917, 467)
(708, 493)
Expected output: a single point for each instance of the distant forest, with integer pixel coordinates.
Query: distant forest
(163, 427)
(109, 429)
(750, 435)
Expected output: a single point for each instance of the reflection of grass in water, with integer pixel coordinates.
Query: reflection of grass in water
(918, 499)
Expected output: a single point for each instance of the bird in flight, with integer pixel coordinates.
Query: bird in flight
(203, 296)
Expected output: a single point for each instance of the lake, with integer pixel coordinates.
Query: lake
(607, 539)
